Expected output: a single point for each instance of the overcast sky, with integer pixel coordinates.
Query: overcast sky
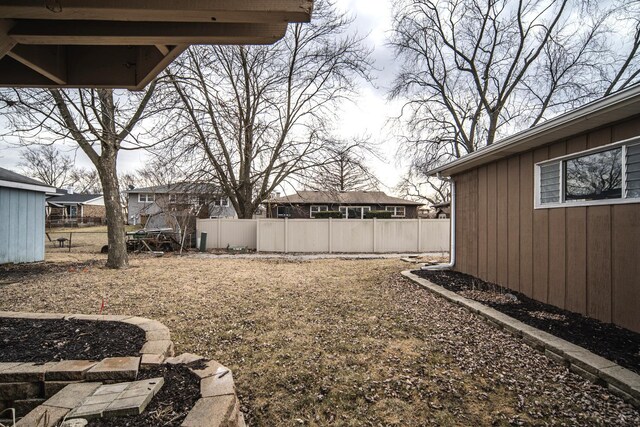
(367, 115)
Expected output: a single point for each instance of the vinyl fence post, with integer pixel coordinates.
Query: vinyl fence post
(330, 234)
(419, 234)
(375, 240)
(286, 235)
(219, 240)
(257, 234)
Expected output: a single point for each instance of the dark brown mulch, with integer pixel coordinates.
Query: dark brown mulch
(40, 340)
(604, 339)
(169, 407)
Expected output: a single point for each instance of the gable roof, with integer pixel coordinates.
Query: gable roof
(177, 188)
(12, 179)
(343, 197)
(613, 108)
(74, 198)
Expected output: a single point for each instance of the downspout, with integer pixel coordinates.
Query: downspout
(452, 250)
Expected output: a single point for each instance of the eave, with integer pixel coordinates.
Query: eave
(126, 43)
(611, 109)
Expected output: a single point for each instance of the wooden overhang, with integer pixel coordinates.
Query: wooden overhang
(611, 109)
(126, 43)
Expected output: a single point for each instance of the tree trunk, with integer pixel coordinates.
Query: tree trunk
(117, 257)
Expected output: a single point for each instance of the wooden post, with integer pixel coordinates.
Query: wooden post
(419, 234)
(219, 240)
(330, 234)
(70, 241)
(286, 235)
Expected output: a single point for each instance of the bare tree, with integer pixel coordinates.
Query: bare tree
(475, 70)
(256, 115)
(415, 187)
(101, 122)
(86, 180)
(346, 168)
(47, 164)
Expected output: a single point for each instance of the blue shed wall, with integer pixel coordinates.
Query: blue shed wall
(21, 225)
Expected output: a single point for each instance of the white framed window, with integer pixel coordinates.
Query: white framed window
(354, 212)
(317, 208)
(146, 197)
(600, 176)
(396, 211)
(173, 198)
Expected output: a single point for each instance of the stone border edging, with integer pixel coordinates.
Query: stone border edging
(619, 380)
(157, 346)
(217, 387)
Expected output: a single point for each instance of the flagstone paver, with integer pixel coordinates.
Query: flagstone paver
(115, 368)
(69, 370)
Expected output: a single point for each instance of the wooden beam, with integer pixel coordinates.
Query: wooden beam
(164, 50)
(46, 60)
(143, 33)
(14, 74)
(148, 66)
(161, 10)
(6, 42)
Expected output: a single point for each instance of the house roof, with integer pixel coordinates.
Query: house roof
(343, 197)
(15, 180)
(177, 188)
(126, 43)
(613, 108)
(75, 198)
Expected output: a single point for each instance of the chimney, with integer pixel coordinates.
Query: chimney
(69, 190)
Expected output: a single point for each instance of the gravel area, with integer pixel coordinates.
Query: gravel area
(334, 342)
(35, 340)
(605, 339)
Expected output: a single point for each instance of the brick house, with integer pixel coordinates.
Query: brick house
(67, 207)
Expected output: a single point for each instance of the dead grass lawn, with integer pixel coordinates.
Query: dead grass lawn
(327, 342)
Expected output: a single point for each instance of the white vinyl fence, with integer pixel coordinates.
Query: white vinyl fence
(327, 235)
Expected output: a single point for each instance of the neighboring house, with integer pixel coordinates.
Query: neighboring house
(22, 210)
(554, 211)
(67, 207)
(442, 210)
(199, 199)
(352, 204)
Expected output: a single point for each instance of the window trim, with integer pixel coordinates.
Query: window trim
(326, 208)
(394, 210)
(347, 207)
(561, 159)
(146, 197)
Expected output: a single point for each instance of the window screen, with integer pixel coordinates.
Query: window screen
(633, 171)
(550, 183)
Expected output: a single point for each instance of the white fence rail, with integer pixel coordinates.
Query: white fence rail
(327, 235)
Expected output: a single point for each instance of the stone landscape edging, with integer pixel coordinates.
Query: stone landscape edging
(217, 387)
(619, 380)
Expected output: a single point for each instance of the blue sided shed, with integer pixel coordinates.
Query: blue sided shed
(22, 214)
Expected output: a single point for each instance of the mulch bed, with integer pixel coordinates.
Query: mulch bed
(170, 406)
(604, 339)
(43, 340)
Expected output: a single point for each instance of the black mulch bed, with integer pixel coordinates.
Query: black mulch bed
(40, 340)
(170, 406)
(604, 339)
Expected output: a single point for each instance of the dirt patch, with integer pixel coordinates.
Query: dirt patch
(36, 340)
(335, 342)
(169, 407)
(604, 339)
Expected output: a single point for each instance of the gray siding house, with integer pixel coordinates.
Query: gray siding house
(198, 199)
(22, 209)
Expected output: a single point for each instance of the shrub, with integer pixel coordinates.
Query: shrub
(378, 214)
(328, 214)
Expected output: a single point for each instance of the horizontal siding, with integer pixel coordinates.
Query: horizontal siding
(583, 259)
(22, 226)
